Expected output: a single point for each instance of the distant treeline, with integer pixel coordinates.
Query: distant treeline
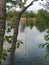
(41, 15)
(12, 14)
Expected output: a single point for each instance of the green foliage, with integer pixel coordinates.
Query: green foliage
(42, 45)
(30, 14)
(9, 50)
(19, 3)
(18, 43)
(11, 15)
(45, 45)
(1, 37)
(43, 16)
(8, 0)
(3, 55)
(8, 39)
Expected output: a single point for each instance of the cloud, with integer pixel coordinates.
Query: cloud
(35, 7)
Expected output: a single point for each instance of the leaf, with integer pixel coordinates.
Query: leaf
(43, 45)
(8, 39)
(4, 54)
(21, 42)
(45, 37)
(18, 45)
(48, 31)
(9, 29)
(47, 47)
(9, 50)
(4, 58)
(46, 55)
(40, 45)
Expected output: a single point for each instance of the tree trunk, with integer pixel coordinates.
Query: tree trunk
(2, 24)
(14, 40)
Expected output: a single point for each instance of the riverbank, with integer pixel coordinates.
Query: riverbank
(28, 20)
(23, 19)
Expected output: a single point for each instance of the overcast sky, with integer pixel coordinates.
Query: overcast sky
(35, 7)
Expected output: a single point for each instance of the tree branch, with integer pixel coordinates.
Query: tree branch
(25, 8)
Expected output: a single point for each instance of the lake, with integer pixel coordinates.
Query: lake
(29, 52)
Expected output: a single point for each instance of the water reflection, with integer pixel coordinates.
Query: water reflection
(29, 53)
(42, 26)
(25, 24)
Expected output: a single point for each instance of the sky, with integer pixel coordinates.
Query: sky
(35, 7)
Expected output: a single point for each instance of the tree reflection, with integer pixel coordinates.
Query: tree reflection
(26, 24)
(42, 20)
(42, 26)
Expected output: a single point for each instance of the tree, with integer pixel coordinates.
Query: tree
(14, 39)
(15, 3)
(2, 25)
(45, 4)
(46, 37)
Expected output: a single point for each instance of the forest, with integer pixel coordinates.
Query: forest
(24, 35)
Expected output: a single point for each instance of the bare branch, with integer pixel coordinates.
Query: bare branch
(25, 8)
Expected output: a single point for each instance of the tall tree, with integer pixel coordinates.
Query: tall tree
(2, 25)
(14, 40)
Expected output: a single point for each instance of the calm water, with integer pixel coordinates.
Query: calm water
(29, 53)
